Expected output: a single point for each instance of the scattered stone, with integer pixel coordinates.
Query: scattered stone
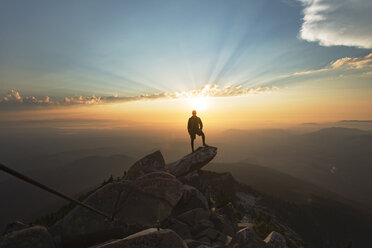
(149, 238)
(31, 237)
(193, 161)
(248, 238)
(150, 163)
(275, 240)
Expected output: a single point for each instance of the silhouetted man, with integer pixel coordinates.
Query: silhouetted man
(194, 127)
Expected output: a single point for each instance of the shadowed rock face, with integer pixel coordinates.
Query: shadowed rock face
(31, 237)
(138, 204)
(150, 238)
(191, 199)
(193, 161)
(150, 163)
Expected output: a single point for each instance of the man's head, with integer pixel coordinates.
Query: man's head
(194, 113)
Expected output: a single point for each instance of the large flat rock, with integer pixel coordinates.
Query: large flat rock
(135, 204)
(193, 161)
(149, 238)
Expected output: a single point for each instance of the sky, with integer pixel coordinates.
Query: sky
(149, 63)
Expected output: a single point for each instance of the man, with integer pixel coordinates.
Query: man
(194, 127)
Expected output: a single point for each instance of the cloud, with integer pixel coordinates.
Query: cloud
(338, 22)
(353, 63)
(348, 63)
(309, 72)
(209, 90)
(80, 100)
(14, 98)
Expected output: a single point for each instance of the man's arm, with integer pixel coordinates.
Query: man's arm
(200, 123)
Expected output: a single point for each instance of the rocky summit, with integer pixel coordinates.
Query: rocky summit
(194, 161)
(174, 205)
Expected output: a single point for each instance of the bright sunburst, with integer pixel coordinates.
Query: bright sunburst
(199, 103)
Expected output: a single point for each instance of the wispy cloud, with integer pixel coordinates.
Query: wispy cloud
(309, 72)
(14, 98)
(353, 63)
(341, 22)
(347, 63)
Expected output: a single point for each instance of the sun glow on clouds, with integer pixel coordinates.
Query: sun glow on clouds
(197, 96)
(346, 63)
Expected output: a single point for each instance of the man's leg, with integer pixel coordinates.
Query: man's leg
(192, 142)
(203, 137)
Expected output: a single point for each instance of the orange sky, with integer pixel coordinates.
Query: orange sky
(277, 108)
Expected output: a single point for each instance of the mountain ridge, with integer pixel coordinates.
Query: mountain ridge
(203, 209)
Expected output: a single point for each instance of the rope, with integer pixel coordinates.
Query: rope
(51, 190)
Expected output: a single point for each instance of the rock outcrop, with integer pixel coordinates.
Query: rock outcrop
(193, 161)
(188, 206)
(30, 237)
(151, 163)
(135, 205)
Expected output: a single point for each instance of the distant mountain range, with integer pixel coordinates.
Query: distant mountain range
(338, 159)
(318, 215)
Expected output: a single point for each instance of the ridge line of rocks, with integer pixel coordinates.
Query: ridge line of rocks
(175, 197)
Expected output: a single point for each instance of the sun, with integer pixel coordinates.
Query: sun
(199, 103)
